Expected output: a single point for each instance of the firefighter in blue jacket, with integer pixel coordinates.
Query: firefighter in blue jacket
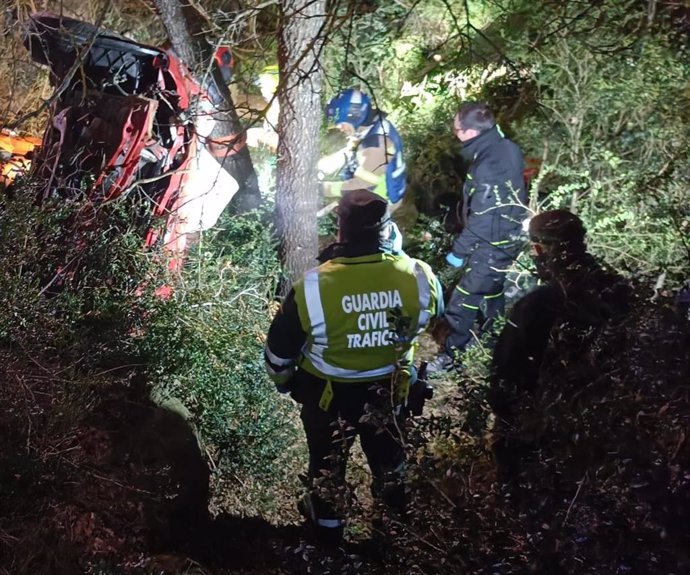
(334, 347)
(494, 207)
(372, 158)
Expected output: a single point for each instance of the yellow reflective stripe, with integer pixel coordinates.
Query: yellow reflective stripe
(499, 294)
(468, 306)
(462, 291)
(501, 243)
(326, 396)
(367, 176)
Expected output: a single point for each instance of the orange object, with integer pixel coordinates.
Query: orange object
(18, 145)
(15, 152)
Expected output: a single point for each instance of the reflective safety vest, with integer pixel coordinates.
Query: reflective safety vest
(390, 185)
(346, 306)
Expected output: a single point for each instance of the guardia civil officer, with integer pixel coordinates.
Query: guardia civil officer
(342, 344)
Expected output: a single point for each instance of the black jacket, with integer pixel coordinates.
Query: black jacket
(583, 295)
(494, 188)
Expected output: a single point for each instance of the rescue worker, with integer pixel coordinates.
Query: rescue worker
(494, 196)
(342, 344)
(577, 290)
(372, 158)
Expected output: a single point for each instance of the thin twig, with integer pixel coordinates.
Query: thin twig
(577, 493)
(110, 479)
(443, 494)
(417, 536)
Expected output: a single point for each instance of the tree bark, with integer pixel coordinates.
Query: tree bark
(226, 142)
(299, 96)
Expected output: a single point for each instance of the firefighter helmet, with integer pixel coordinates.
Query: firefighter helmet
(351, 106)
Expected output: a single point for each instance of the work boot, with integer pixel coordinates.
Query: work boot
(328, 532)
(440, 364)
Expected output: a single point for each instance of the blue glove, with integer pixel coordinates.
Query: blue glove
(396, 239)
(455, 261)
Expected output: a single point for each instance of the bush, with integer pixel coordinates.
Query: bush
(617, 149)
(204, 348)
(68, 285)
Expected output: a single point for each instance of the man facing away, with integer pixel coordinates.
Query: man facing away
(577, 290)
(494, 200)
(342, 344)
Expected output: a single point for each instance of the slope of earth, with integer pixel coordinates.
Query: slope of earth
(95, 478)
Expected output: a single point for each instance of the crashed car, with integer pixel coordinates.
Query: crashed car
(127, 119)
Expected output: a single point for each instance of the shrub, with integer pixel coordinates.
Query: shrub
(68, 286)
(204, 348)
(617, 148)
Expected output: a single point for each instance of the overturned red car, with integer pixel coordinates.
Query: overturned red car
(127, 118)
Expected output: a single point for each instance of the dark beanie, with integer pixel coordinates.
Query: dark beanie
(557, 227)
(361, 211)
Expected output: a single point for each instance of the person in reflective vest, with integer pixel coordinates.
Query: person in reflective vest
(342, 344)
(373, 159)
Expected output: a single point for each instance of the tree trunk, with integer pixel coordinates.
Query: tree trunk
(226, 142)
(299, 96)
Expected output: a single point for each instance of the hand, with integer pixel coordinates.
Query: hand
(454, 260)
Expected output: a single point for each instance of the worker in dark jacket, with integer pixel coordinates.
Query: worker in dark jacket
(494, 197)
(342, 344)
(576, 290)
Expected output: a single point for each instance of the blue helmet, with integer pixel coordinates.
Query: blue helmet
(351, 106)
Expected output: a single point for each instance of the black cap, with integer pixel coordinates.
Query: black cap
(362, 210)
(557, 227)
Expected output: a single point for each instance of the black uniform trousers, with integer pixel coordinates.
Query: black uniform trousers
(478, 296)
(357, 409)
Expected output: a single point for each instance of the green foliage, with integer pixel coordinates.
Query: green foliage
(600, 94)
(67, 283)
(204, 348)
(425, 120)
(616, 147)
(471, 396)
(363, 39)
(428, 241)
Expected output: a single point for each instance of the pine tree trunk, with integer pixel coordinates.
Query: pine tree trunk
(299, 96)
